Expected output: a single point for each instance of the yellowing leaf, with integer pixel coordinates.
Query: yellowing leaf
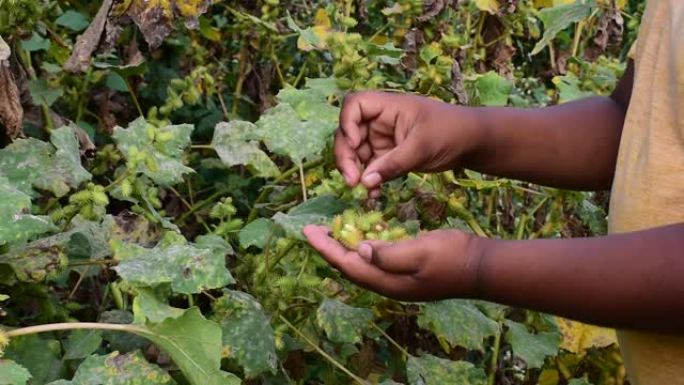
(578, 337)
(313, 38)
(322, 19)
(491, 6)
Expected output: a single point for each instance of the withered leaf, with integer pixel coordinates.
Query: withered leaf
(88, 42)
(610, 27)
(431, 8)
(11, 112)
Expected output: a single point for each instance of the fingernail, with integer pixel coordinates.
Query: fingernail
(365, 251)
(372, 179)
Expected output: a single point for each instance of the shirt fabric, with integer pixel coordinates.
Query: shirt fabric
(648, 189)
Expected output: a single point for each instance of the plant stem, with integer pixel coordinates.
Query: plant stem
(494, 363)
(392, 341)
(267, 189)
(323, 353)
(303, 182)
(577, 38)
(135, 98)
(75, 326)
(201, 147)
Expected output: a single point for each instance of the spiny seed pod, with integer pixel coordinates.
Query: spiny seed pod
(351, 228)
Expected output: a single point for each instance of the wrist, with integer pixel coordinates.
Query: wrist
(480, 250)
(469, 132)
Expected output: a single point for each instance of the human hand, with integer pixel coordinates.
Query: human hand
(437, 264)
(385, 135)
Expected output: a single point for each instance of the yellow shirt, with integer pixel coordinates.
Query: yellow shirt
(648, 190)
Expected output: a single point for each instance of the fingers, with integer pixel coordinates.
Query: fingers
(358, 107)
(347, 160)
(404, 257)
(390, 165)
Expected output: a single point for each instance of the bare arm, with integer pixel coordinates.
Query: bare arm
(573, 145)
(633, 280)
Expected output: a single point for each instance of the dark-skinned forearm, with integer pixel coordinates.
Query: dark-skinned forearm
(632, 280)
(573, 145)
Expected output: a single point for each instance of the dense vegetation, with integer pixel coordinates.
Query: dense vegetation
(160, 158)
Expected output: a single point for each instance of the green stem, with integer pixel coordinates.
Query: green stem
(135, 98)
(577, 38)
(392, 341)
(267, 189)
(494, 363)
(302, 180)
(323, 353)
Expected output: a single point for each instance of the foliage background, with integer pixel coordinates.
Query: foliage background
(160, 158)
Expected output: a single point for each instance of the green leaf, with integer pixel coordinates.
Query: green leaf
(12, 373)
(459, 322)
(41, 356)
(235, 145)
(326, 86)
(120, 341)
(115, 82)
(428, 370)
(256, 233)
(38, 260)
(315, 210)
(18, 225)
(164, 166)
(579, 381)
(343, 323)
(146, 306)
(386, 53)
(493, 89)
(31, 163)
(532, 348)
(560, 17)
(118, 369)
(194, 345)
(74, 20)
(35, 43)
(82, 343)
(43, 93)
(569, 88)
(310, 104)
(188, 268)
(281, 129)
(247, 332)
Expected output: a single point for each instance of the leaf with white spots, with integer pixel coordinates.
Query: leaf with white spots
(247, 333)
(235, 145)
(343, 323)
(459, 322)
(428, 370)
(532, 348)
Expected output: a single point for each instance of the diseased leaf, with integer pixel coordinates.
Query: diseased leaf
(314, 211)
(158, 159)
(38, 260)
(194, 344)
(247, 333)
(428, 370)
(532, 348)
(41, 356)
(310, 104)
(281, 129)
(18, 225)
(235, 145)
(146, 306)
(31, 163)
(157, 18)
(560, 17)
(459, 322)
(12, 373)
(569, 88)
(43, 93)
(578, 337)
(118, 369)
(188, 268)
(343, 323)
(491, 6)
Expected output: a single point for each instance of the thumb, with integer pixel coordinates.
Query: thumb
(404, 257)
(398, 161)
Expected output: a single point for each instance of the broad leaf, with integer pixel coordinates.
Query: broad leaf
(343, 323)
(560, 17)
(29, 163)
(39, 259)
(256, 233)
(146, 306)
(12, 373)
(194, 344)
(310, 104)
(428, 370)
(41, 356)
(315, 210)
(532, 348)
(82, 343)
(42, 93)
(284, 133)
(188, 268)
(247, 332)
(18, 225)
(235, 145)
(75, 21)
(118, 369)
(579, 337)
(493, 89)
(161, 159)
(569, 88)
(459, 322)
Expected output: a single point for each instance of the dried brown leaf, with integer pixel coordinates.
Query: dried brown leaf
(610, 27)
(11, 112)
(88, 42)
(431, 8)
